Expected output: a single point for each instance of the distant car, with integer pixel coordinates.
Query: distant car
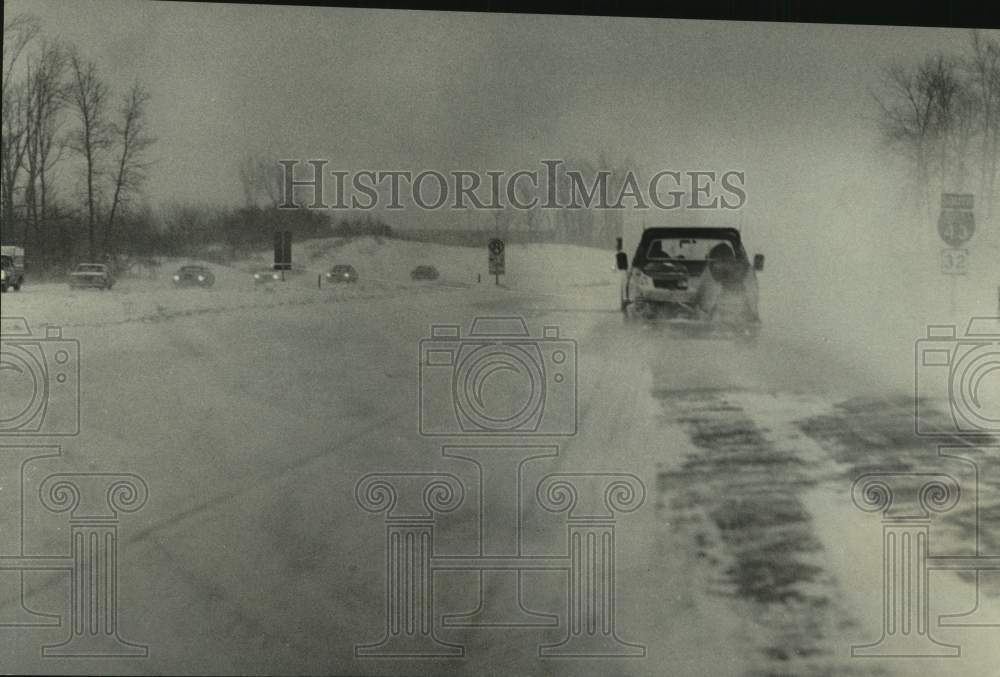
(91, 275)
(194, 276)
(424, 273)
(265, 275)
(342, 273)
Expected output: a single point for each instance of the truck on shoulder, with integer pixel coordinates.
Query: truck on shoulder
(11, 268)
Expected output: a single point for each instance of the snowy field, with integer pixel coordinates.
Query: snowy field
(252, 413)
(383, 268)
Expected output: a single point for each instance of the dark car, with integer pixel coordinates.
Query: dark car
(342, 273)
(700, 275)
(91, 275)
(424, 273)
(194, 276)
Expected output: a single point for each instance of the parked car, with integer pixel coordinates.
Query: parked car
(424, 273)
(342, 273)
(265, 275)
(11, 268)
(91, 275)
(194, 276)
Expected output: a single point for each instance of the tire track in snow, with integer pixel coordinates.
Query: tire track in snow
(877, 434)
(741, 500)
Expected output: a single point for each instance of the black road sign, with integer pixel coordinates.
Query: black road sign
(497, 259)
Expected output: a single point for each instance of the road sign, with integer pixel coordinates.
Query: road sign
(964, 201)
(282, 250)
(957, 222)
(497, 258)
(954, 261)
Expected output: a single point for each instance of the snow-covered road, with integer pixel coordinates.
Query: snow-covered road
(700, 520)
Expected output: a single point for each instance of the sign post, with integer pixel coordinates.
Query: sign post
(282, 251)
(956, 226)
(497, 258)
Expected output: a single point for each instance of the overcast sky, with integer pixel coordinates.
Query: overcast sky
(788, 103)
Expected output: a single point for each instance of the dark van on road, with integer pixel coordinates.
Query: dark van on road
(700, 275)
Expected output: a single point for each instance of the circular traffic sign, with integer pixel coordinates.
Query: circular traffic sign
(956, 226)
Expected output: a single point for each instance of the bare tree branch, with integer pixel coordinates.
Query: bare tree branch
(132, 135)
(17, 33)
(88, 96)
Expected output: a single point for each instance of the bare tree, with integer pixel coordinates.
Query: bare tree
(270, 177)
(18, 33)
(940, 77)
(247, 169)
(12, 148)
(917, 109)
(45, 98)
(132, 134)
(965, 111)
(943, 117)
(88, 96)
(260, 178)
(984, 71)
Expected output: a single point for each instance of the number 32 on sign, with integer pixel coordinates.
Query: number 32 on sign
(954, 261)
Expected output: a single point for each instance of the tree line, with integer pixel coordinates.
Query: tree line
(941, 116)
(227, 234)
(73, 151)
(261, 179)
(584, 225)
